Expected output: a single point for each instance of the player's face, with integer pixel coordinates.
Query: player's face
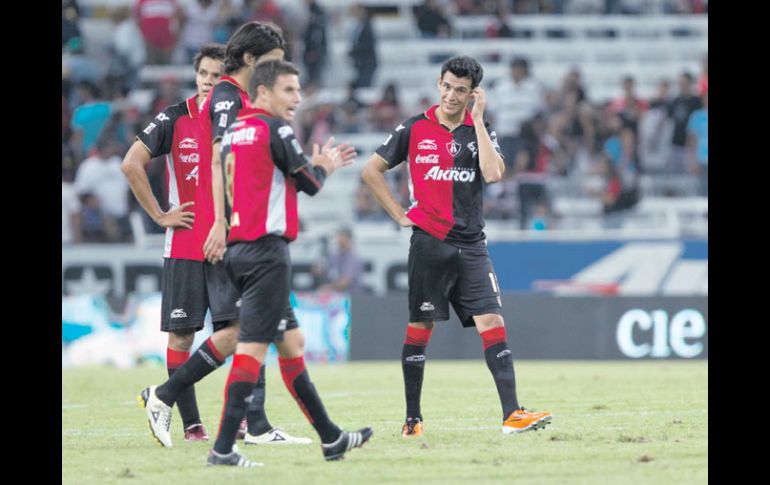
(455, 94)
(285, 96)
(209, 72)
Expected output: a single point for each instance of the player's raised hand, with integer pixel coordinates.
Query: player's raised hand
(479, 103)
(178, 217)
(214, 248)
(344, 155)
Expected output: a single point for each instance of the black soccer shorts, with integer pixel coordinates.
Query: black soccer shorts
(223, 296)
(261, 271)
(441, 273)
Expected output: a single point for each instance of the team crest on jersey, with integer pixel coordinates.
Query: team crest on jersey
(453, 148)
(189, 143)
(427, 145)
(472, 147)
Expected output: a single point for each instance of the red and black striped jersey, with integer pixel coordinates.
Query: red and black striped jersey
(174, 133)
(219, 109)
(264, 166)
(444, 175)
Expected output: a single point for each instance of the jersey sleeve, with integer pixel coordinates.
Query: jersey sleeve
(493, 137)
(395, 148)
(288, 156)
(223, 110)
(158, 135)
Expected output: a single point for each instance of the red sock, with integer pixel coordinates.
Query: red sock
(290, 370)
(245, 368)
(493, 336)
(175, 358)
(417, 336)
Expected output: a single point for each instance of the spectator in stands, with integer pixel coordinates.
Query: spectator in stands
(159, 23)
(679, 112)
(198, 19)
(386, 112)
(342, 270)
(101, 176)
(127, 50)
(518, 98)
(698, 144)
(363, 50)
(230, 18)
(573, 128)
(629, 104)
(88, 119)
(620, 147)
(70, 17)
(95, 225)
(532, 168)
(70, 209)
(314, 42)
(168, 92)
(655, 131)
(499, 26)
(432, 20)
(618, 197)
(77, 67)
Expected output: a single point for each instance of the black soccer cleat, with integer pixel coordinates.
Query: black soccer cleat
(346, 442)
(234, 458)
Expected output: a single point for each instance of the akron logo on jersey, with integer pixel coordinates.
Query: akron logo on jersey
(453, 147)
(451, 174)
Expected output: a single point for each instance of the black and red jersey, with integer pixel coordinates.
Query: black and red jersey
(445, 177)
(219, 109)
(174, 133)
(264, 166)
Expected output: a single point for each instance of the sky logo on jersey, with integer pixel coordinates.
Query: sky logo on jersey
(162, 117)
(189, 143)
(427, 145)
(223, 106)
(451, 174)
(285, 131)
(191, 158)
(243, 136)
(453, 147)
(432, 158)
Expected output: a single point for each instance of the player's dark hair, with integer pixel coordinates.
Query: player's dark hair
(464, 66)
(266, 73)
(257, 39)
(214, 51)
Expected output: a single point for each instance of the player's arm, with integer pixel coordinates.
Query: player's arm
(490, 161)
(155, 140)
(214, 247)
(309, 174)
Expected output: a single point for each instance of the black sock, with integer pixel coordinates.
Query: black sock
(244, 373)
(202, 362)
(413, 366)
(500, 363)
(298, 383)
(188, 406)
(255, 411)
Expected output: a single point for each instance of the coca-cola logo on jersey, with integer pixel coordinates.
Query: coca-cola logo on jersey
(426, 159)
(191, 158)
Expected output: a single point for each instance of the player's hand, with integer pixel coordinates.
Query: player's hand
(479, 103)
(177, 217)
(214, 248)
(343, 155)
(405, 221)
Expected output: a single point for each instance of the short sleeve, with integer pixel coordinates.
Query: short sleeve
(158, 135)
(395, 148)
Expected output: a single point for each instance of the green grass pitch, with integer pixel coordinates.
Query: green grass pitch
(614, 422)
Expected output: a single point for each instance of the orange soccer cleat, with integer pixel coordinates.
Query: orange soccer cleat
(412, 427)
(523, 420)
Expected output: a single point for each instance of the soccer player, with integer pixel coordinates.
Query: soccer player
(184, 297)
(449, 151)
(264, 167)
(251, 43)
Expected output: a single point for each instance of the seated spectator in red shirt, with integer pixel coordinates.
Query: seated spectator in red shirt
(158, 21)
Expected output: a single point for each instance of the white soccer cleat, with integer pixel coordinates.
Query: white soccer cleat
(158, 415)
(275, 436)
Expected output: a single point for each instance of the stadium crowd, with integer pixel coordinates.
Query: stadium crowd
(546, 135)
